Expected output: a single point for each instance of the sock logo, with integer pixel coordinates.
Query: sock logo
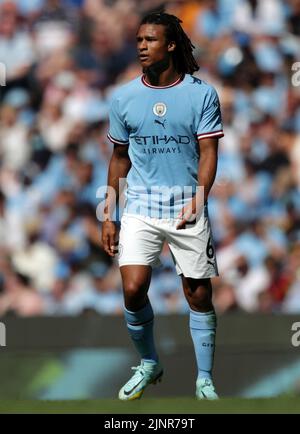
(207, 345)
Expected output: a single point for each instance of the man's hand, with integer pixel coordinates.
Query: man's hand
(109, 238)
(189, 213)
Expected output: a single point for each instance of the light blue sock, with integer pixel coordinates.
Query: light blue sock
(140, 327)
(203, 331)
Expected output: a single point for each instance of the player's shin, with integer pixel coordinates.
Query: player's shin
(140, 327)
(203, 331)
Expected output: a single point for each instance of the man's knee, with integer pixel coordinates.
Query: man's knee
(136, 281)
(133, 289)
(135, 294)
(198, 294)
(201, 296)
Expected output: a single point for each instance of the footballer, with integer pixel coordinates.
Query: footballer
(165, 127)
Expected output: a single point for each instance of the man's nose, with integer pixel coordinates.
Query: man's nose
(143, 45)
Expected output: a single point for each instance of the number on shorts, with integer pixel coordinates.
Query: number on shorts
(210, 251)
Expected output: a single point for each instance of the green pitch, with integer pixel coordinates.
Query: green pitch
(152, 406)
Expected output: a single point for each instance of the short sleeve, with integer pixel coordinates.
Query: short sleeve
(117, 130)
(210, 124)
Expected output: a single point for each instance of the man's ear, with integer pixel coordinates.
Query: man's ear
(171, 46)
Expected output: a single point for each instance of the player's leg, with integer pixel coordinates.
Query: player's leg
(194, 255)
(198, 293)
(139, 319)
(138, 310)
(140, 245)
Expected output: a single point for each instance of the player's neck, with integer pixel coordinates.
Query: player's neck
(161, 78)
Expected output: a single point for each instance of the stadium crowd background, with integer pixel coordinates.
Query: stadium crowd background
(63, 59)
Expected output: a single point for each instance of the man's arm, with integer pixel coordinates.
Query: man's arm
(207, 169)
(119, 167)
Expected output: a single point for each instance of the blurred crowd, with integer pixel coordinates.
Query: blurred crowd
(63, 59)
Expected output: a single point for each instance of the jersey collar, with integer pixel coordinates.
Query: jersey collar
(179, 80)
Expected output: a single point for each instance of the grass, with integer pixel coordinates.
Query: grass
(154, 406)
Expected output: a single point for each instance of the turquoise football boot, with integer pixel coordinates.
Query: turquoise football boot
(146, 373)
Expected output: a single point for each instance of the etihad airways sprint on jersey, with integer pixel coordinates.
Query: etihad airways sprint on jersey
(147, 141)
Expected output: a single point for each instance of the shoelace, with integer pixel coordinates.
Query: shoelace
(139, 370)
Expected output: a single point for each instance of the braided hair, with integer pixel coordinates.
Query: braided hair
(184, 61)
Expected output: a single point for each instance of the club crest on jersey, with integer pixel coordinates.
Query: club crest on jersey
(160, 109)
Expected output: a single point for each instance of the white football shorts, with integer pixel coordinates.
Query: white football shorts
(142, 238)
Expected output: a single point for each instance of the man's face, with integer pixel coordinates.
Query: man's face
(152, 45)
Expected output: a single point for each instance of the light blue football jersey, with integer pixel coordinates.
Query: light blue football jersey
(162, 126)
